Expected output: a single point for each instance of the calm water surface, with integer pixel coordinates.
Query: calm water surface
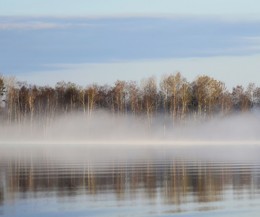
(130, 181)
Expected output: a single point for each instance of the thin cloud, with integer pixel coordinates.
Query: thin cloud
(29, 26)
(107, 40)
(39, 25)
(243, 68)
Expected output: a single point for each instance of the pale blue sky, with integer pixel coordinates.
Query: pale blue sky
(121, 7)
(45, 41)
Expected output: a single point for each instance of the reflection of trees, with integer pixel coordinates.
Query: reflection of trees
(119, 181)
(150, 180)
(177, 181)
(1, 192)
(207, 184)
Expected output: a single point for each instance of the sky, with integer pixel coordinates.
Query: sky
(129, 7)
(101, 41)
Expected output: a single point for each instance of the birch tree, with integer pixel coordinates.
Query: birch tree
(149, 91)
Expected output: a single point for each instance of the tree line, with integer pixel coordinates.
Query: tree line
(173, 97)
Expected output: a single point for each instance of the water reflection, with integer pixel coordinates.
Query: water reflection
(178, 181)
(1, 192)
(177, 184)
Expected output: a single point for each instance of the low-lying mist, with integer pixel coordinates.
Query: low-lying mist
(105, 128)
(104, 137)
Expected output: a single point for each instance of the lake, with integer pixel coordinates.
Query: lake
(146, 180)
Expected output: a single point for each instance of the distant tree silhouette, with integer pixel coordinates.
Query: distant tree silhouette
(173, 97)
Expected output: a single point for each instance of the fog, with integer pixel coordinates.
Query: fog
(106, 137)
(106, 128)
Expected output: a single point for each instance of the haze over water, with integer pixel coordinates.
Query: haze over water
(107, 165)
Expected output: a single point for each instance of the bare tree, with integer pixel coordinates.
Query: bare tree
(119, 96)
(208, 93)
(92, 92)
(2, 92)
(149, 92)
(134, 97)
(240, 99)
(176, 91)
